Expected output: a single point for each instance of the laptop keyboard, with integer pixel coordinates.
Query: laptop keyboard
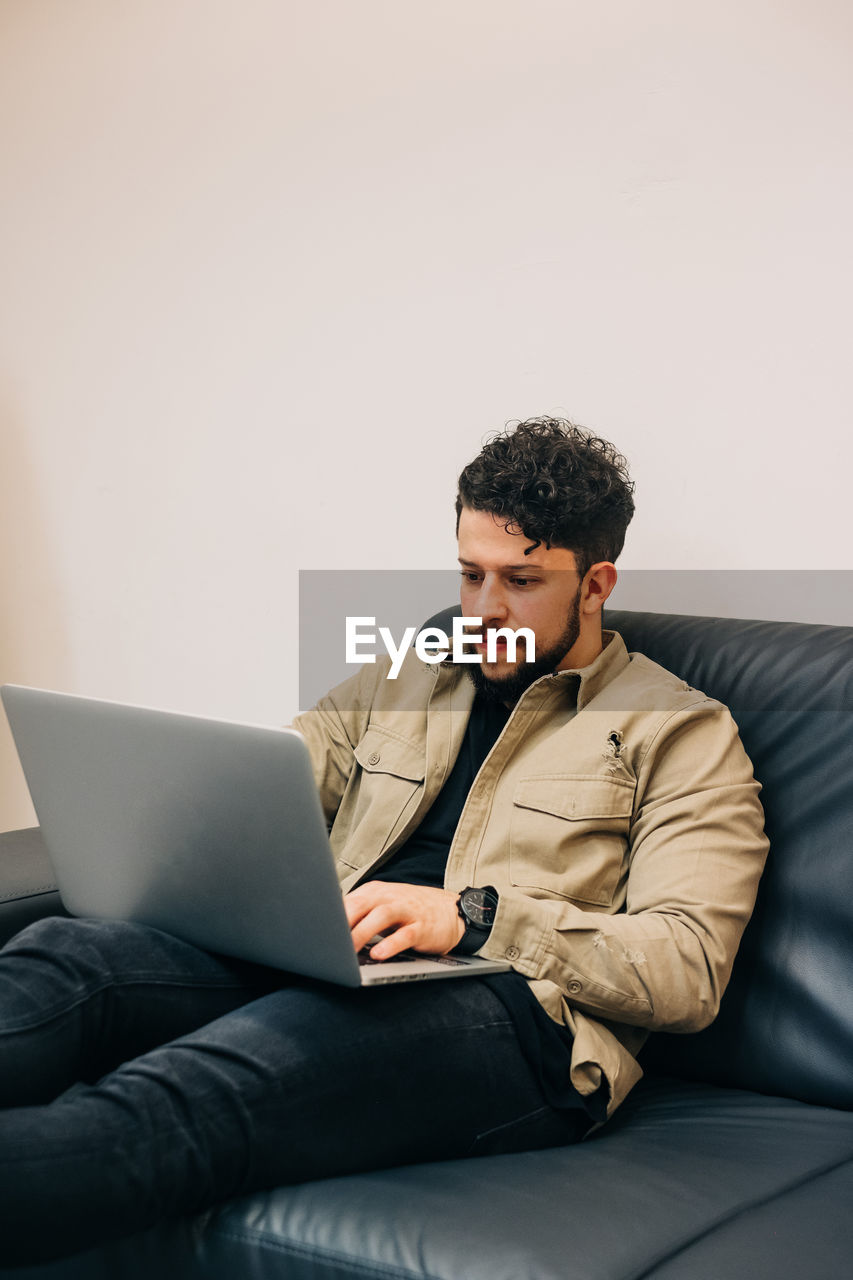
(452, 962)
(364, 957)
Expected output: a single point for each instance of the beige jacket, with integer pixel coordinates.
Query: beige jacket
(617, 816)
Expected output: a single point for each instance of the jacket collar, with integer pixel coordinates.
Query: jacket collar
(606, 667)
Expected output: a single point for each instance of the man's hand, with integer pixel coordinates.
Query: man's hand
(413, 915)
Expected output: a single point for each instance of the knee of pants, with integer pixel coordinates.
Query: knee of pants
(56, 935)
(48, 933)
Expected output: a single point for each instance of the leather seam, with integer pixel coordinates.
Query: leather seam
(20, 894)
(357, 1265)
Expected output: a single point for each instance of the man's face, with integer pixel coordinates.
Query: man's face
(507, 588)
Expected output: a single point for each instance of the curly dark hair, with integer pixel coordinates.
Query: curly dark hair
(556, 483)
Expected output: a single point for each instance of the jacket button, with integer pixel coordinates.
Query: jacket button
(575, 987)
(512, 953)
(373, 758)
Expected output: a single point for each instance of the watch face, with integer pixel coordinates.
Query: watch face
(480, 907)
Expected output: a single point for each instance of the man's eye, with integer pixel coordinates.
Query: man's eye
(524, 582)
(469, 576)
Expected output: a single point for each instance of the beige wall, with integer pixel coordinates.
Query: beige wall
(270, 271)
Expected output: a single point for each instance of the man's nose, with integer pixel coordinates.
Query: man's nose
(492, 602)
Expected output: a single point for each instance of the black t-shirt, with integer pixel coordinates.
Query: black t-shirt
(422, 860)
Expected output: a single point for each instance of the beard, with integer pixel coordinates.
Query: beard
(507, 689)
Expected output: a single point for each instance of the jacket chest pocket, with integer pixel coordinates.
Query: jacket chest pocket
(381, 794)
(569, 836)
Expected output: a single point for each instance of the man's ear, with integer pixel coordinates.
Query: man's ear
(597, 585)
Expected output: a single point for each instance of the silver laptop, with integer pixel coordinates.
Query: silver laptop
(206, 829)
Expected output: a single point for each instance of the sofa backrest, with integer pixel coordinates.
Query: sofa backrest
(786, 1022)
(785, 1026)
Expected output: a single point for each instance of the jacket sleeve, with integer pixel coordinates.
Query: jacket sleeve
(696, 851)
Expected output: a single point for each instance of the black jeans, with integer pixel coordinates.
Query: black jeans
(142, 1079)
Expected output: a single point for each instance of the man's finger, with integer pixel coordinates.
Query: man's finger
(376, 921)
(359, 901)
(356, 908)
(399, 940)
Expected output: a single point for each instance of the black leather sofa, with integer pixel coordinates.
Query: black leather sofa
(731, 1160)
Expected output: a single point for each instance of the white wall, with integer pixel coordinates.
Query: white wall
(271, 270)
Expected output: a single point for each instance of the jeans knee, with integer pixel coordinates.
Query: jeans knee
(48, 933)
(62, 935)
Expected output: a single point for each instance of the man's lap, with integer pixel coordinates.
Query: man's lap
(302, 1081)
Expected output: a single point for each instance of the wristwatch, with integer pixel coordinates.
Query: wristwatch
(477, 907)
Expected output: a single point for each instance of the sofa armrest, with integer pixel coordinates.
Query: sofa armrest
(27, 885)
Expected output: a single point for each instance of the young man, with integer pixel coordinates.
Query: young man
(584, 816)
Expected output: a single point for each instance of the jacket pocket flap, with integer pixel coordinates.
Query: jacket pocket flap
(575, 797)
(378, 752)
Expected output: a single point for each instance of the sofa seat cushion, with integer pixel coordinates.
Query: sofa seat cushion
(688, 1180)
(798, 1233)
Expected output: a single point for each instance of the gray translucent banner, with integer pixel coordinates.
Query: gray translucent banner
(400, 599)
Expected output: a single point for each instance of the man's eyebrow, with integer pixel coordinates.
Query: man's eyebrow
(505, 568)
